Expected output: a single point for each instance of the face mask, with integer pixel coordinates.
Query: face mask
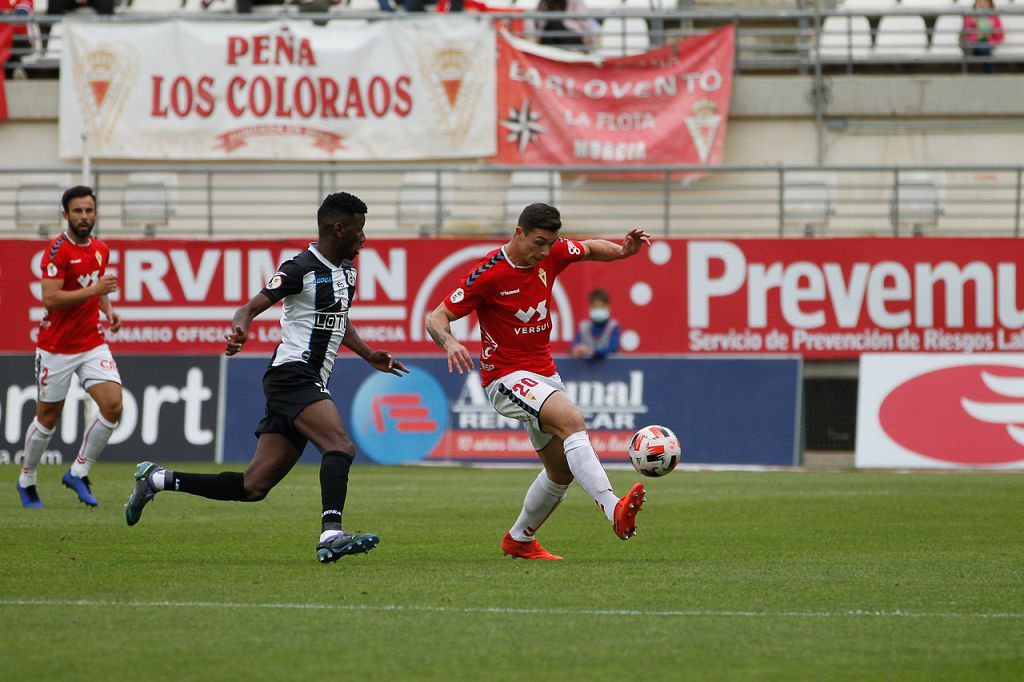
(599, 315)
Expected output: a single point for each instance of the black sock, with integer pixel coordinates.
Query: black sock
(333, 487)
(227, 485)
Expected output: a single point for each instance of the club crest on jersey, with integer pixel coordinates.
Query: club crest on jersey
(457, 295)
(99, 259)
(543, 276)
(350, 275)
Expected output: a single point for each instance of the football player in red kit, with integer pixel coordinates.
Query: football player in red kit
(75, 291)
(510, 290)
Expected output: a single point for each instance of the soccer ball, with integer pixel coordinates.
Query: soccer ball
(654, 451)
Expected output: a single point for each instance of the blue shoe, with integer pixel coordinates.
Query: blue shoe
(343, 544)
(143, 493)
(29, 497)
(82, 488)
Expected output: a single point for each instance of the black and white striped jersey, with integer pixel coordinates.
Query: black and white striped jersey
(317, 296)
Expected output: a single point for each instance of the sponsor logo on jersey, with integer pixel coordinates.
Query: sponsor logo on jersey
(86, 281)
(51, 270)
(509, 293)
(76, 260)
(327, 279)
(274, 282)
(457, 295)
(330, 321)
(541, 311)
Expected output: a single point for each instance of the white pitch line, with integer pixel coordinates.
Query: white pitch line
(496, 610)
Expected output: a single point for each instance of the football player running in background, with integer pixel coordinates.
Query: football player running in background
(75, 291)
(317, 286)
(510, 290)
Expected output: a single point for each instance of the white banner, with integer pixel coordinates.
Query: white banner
(941, 410)
(287, 90)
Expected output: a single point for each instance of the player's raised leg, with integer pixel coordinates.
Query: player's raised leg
(37, 437)
(561, 418)
(542, 498)
(107, 395)
(274, 457)
(322, 425)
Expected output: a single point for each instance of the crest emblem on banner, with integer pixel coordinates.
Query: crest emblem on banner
(703, 125)
(453, 81)
(104, 77)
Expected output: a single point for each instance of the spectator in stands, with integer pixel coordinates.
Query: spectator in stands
(982, 32)
(60, 7)
(597, 337)
(20, 43)
(571, 33)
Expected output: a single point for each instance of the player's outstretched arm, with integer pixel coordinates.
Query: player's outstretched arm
(380, 360)
(54, 295)
(439, 326)
(241, 321)
(605, 251)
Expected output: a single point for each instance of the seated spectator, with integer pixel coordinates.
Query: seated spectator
(59, 7)
(563, 32)
(597, 337)
(982, 32)
(21, 44)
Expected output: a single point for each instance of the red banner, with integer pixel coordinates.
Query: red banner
(822, 298)
(6, 35)
(669, 105)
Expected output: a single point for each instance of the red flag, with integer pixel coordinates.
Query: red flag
(665, 106)
(6, 36)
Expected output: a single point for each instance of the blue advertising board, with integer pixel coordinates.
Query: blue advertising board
(725, 410)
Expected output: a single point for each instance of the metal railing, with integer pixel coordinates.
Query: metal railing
(229, 200)
(785, 41)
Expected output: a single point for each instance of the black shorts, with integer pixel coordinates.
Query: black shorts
(290, 388)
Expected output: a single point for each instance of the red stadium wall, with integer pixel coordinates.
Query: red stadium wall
(829, 298)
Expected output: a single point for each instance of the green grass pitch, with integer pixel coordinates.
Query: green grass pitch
(733, 576)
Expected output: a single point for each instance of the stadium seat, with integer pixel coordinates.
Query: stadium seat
(147, 200)
(623, 35)
(1013, 44)
(361, 6)
(530, 187)
(151, 7)
(901, 36)
(928, 4)
(421, 200)
(598, 5)
(946, 36)
(37, 201)
(870, 7)
(919, 200)
(845, 38)
(808, 200)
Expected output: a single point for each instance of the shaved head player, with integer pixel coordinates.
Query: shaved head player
(317, 287)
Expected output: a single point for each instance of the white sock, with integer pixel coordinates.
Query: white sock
(586, 467)
(95, 438)
(542, 497)
(157, 479)
(329, 534)
(36, 439)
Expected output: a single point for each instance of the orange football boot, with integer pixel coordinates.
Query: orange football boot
(526, 550)
(626, 510)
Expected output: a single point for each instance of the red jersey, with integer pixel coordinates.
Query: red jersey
(74, 329)
(512, 303)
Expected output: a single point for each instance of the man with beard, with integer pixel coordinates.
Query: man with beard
(75, 291)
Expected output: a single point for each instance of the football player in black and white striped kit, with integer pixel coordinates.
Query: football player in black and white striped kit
(317, 286)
